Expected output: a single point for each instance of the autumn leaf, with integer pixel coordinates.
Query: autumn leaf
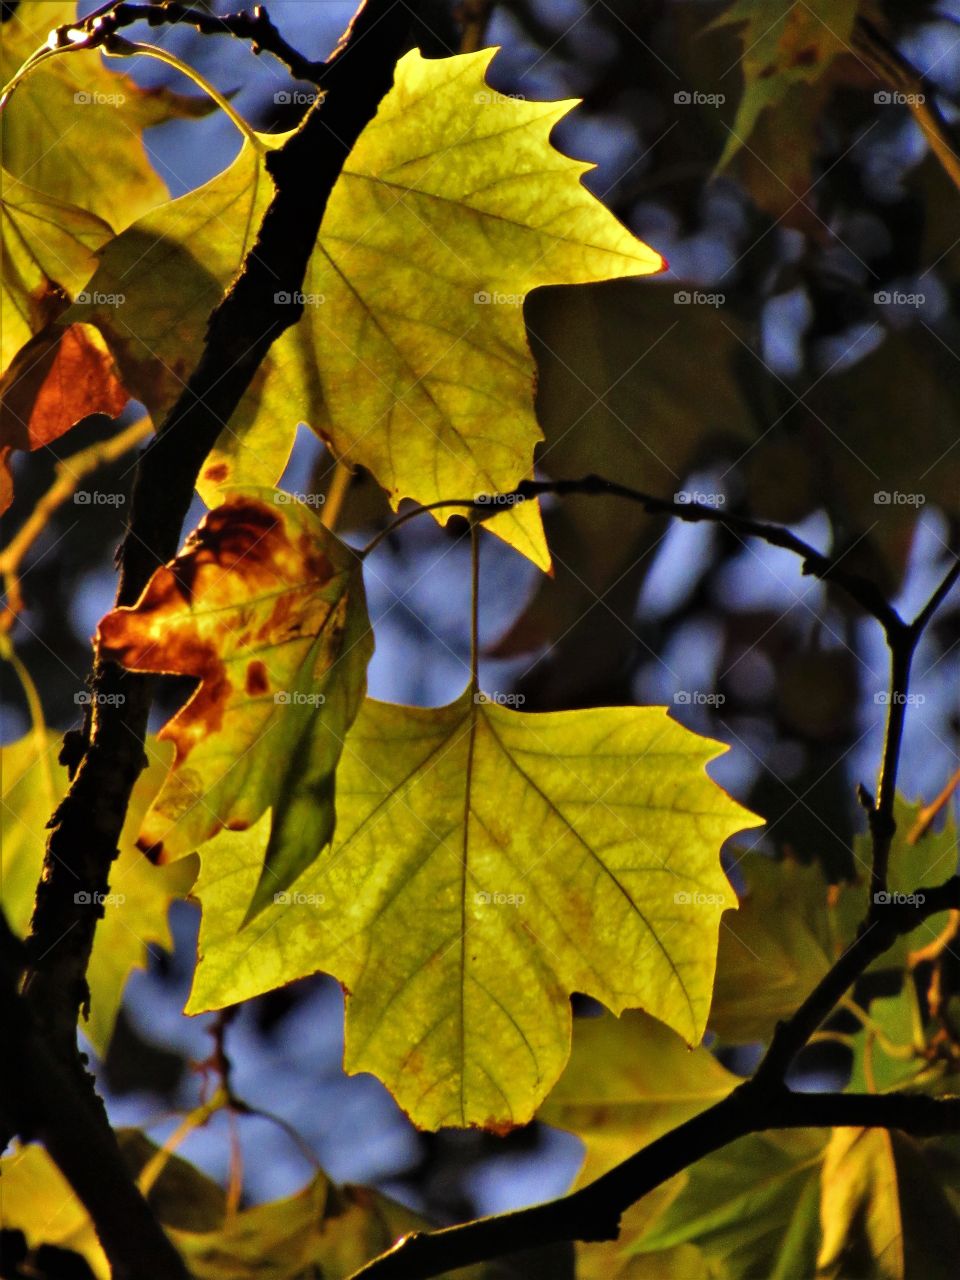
(266, 609)
(58, 378)
(651, 1082)
(411, 358)
(783, 45)
(488, 863)
(134, 916)
(773, 950)
(47, 253)
(73, 129)
(883, 1210)
(322, 1230)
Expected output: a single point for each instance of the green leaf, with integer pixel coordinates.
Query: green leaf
(73, 129)
(411, 358)
(628, 1081)
(773, 950)
(486, 864)
(266, 609)
(135, 913)
(883, 1212)
(874, 1069)
(922, 863)
(784, 45)
(47, 253)
(170, 269)
(752, 1207)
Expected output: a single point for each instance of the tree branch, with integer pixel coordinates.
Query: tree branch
(763, 1102)
(42, 1100)
(256, 28)
(865, 592)
(87, 824)
(85, 828)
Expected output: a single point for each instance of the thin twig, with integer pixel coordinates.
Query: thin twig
(593, 1212)
(255, 28)
(865, 592)
(927, 815)
(69, 472)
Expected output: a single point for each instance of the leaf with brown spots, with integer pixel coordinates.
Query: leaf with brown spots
(784, 45)
(486, 864)
(266, 609)
(60, 377)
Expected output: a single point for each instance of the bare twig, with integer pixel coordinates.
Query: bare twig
(865, 592)
(928, 813)
(763, 1102)
(69, 473)
(254, 27)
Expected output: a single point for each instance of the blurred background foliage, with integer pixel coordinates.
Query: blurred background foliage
(801, 358)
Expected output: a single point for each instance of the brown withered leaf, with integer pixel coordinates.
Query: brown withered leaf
(266, 608)
(59, 377)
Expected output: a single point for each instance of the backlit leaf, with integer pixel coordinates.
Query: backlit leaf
(628, 1081)
(59, 377)
(323, 1231)
(411, 358)
(750, 1207)
(914, 864)
(47, 253)
(487, 863)
(266, 609)
(773, 950)
(882, 1211)
(134, 915)
(72, 128)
